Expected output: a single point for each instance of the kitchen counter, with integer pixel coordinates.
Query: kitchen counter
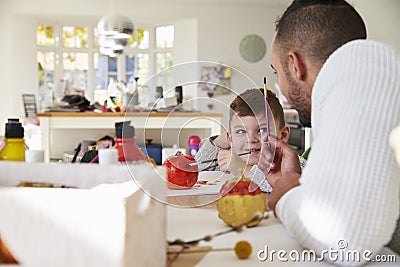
(62, 131)
(130, 115)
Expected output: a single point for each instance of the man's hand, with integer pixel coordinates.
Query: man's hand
(277, 159)
(282, 185)
(282, 169)
(230, 162)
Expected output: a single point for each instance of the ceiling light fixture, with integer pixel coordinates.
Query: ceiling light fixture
(115, 26)
(112, 43)
(114, 31)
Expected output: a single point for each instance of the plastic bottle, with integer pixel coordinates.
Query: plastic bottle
(125, 143)
(14, 147)
(194, 145)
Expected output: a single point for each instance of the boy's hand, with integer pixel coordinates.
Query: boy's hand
(222, 141)
(230, 162)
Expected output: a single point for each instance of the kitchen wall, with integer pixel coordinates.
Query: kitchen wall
(206, 31)
(382, 19)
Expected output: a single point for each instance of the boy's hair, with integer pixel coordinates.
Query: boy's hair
(251, 103)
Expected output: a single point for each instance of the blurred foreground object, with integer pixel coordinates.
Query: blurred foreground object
(108, 221)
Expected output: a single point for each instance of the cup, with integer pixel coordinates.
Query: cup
(32, 156)
(108, 156)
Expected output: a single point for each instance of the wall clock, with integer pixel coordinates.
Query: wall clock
(252, 48)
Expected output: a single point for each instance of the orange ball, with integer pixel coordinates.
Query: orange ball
(243, 249)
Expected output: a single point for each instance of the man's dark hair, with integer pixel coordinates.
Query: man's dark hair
(316, 28)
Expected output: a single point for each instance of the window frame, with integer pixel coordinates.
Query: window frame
(93, 49)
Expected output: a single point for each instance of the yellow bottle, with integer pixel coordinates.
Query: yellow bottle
(13, 148)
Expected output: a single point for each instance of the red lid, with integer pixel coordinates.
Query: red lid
(194, 140)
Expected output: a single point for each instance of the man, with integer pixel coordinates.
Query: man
(347, 197)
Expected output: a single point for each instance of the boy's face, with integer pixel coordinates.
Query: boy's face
(246, 134)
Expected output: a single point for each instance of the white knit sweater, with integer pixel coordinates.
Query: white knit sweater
(350, 186)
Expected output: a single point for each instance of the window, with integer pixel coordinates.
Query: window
(164, 57)
(74, 36)
(64, 62)
(137, 56)
(69, 61)
(165, 36)
(46, 63)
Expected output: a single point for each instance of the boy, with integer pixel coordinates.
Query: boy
(247, 125)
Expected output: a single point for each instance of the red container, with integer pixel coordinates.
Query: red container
(125, 143)
(128, 150)
(179, 174)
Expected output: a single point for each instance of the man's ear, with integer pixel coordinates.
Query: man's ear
(297, 66)
(285, 133)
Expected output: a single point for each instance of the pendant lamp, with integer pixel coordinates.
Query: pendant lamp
(115, 26)
(114, 31)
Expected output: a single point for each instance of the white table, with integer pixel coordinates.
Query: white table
(188, 224)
